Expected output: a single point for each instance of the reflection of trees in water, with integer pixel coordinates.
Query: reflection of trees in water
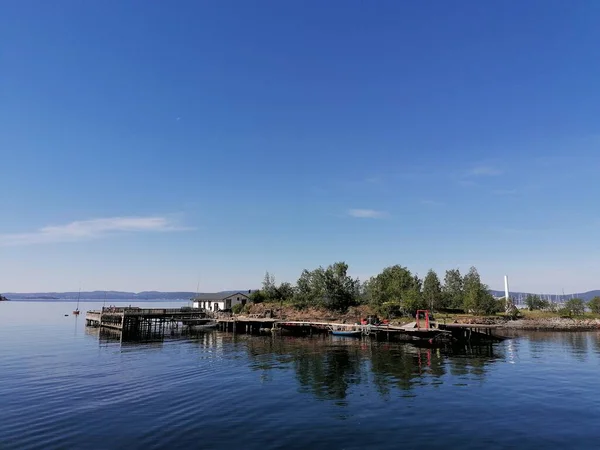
(328, 368)
(324, 368)
(329, 374)
(473, 360)
(403, 366)
(579, 343)
(595, 338)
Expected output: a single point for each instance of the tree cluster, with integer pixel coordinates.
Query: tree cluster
(535, 303)
(594, 305)
(395, 291)
(573, 307)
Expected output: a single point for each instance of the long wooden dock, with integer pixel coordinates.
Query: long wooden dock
(132, 321)
(138, 320)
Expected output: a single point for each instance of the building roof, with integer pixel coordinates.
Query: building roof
(218, 296)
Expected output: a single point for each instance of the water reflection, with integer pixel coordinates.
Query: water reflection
(576, 344)
(329, 368)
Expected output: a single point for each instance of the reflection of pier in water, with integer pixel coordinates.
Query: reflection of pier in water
(334, 369)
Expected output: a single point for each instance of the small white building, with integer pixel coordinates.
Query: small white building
(220, 301)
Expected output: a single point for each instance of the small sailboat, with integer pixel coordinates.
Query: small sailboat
(76, 312)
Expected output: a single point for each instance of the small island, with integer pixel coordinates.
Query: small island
(3, 299)
(396, 294)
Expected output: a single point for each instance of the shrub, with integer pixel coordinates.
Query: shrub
(594, 305)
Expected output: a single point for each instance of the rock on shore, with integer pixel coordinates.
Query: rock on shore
(546, 324)
(554, 324)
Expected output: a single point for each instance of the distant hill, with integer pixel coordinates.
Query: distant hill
(108, 295)
(184, 295)
(587, 296)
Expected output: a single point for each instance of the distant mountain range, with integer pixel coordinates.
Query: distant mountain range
(108, 295)
(157, 295)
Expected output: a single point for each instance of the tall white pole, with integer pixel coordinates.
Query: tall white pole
(509, 307)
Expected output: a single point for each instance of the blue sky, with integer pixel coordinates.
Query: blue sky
(147, 145)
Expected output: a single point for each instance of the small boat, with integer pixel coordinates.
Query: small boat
(346, 333)
(205, 326)
(76, 312)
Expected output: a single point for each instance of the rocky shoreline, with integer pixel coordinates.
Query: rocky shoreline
(538, 324)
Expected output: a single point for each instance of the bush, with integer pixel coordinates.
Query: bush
(575, 306)
(258, 297)
(390, 310)
(535, 302)
(237, 309)
(594, 305)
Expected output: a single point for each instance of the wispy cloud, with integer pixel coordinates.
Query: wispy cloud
(484, 171)
(466, 183)
(374, 180)
(367, 213)
(90, 229)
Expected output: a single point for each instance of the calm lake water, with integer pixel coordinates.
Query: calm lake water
(63, 386)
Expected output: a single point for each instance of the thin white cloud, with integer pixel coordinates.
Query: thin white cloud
(467, 183)
(367, 213)
(90, 229)
(484, 171)
(374, 180)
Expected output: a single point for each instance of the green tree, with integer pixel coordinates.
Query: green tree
(453, 289)
(575, 307)
(477, 298)
(258, 297)
(432, 291)
(310, 288)
(412, 300)
(535, 302)
(285, 292)
(341, 290)
(332, 288)
(594, 305)
(269, 287)
(388, 291)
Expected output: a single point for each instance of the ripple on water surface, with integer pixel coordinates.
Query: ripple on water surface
(64, 387)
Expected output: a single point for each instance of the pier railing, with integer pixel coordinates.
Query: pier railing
(145, 311)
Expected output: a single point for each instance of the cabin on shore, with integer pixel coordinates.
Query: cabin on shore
(220, 301)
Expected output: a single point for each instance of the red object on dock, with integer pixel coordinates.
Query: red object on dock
(426, 311)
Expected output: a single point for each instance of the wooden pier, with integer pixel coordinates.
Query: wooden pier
(132, 322)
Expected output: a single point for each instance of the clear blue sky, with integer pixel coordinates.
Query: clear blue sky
(145, 145)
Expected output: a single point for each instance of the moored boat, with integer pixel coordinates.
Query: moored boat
(205, 326)
(346, 333)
